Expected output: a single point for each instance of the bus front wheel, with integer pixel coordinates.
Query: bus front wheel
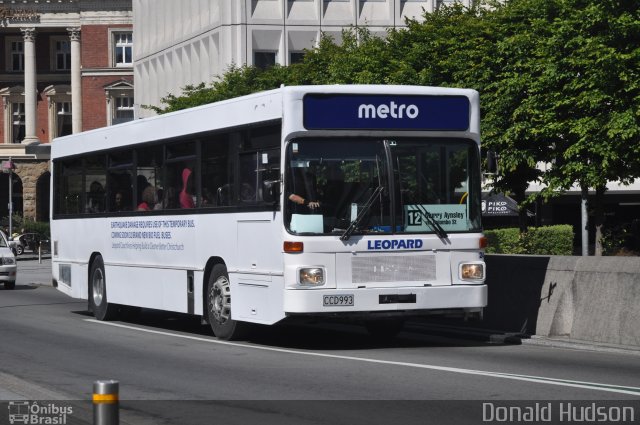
(219, 306)
(98, 303)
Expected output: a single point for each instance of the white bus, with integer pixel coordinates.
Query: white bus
(351, 201)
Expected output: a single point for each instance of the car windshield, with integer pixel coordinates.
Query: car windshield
(364, 186)
(3, 240)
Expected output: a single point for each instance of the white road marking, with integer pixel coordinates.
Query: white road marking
(526, 378)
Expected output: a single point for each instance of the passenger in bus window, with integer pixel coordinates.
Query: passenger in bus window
(186, 197)
(142, 183)
(208, 198)
(148, 199)
(119, 201)
(166, 199)
(223, 195)
(159, 200)
(95, 198)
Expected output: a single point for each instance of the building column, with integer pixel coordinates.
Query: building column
(76, 81)
(30, 86)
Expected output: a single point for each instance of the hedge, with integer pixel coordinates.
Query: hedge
(40, 227)
(548, 240)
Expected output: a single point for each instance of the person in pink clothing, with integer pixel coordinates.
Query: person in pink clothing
(186, 198)
(148, 199)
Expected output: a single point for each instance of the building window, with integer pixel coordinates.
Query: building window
(119, 102)
(17, 56)
(62, 55)
(63, 119)
(123, 49)
(123, 110)
(17, 122)
(264, 60)
(445, 3)
(296, 57)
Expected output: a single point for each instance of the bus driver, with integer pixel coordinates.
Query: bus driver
(304, 182)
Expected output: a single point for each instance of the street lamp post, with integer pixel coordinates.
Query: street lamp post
(8, 167)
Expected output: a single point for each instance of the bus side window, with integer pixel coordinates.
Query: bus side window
(181, 172)
(248, 177)
(121, 196)
(261, 162)
(186, 197)
(95, 198)
(120, 180)
(269, 169)
(95, 169)
(149, 163)
(216, 189)
(71, 193)
(223, 195)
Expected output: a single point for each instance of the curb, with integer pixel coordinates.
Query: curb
(576, 344)
(32, 257)
(492, 336)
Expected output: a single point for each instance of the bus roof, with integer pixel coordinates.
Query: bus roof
(258, 107)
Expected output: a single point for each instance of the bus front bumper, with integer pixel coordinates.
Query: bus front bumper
(462, 297)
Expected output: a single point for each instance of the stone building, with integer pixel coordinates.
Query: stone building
(66, 66)
(193, 41)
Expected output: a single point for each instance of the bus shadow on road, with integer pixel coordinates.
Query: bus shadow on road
(24, 287)
(316, 335)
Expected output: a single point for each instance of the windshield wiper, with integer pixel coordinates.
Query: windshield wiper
(442, 234)
(365, 208)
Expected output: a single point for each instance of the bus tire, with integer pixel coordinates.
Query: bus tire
(10, 285)
(102, 309)
(219, 306)
(384, 329)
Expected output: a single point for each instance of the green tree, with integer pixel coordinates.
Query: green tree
(587, 94)
(511, 123)
(361, 58)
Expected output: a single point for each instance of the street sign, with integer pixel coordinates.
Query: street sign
(499, 205)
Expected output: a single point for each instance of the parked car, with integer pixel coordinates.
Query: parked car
(8, 267)
(31, 242)
(13, 243)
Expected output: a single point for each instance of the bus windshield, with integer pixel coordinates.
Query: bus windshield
(366, 186)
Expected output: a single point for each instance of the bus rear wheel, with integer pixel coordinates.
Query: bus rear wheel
(102, 309)
(219, 306)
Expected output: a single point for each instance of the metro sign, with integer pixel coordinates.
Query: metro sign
(386, 112)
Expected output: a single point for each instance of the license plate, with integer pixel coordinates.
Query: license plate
(337, 300)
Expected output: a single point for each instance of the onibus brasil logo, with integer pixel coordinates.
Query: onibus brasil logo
(32, 413)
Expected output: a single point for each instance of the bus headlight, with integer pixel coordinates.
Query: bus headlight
(472, 271)
(311, 276)
(7, 261)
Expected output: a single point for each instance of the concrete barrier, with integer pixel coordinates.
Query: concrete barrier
(594, 299)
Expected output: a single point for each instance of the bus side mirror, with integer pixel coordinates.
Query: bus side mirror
(270, 190)
(492, 162)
